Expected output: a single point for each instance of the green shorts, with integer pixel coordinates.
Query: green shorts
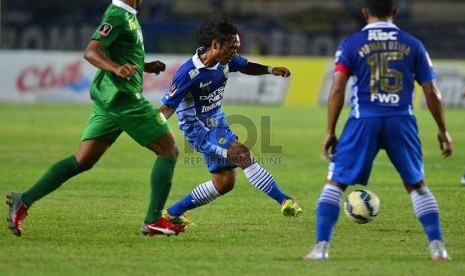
(140, 120)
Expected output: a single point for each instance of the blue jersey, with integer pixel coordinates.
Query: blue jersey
(197, 95)
(384, 62)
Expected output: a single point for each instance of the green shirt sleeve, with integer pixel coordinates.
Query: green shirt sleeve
(109, 28)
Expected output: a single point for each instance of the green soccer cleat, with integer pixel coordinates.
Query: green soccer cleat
(181, 220)
(290, 208)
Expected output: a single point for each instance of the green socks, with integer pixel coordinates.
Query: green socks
(52, 179)
(60, 172)
(161, 180)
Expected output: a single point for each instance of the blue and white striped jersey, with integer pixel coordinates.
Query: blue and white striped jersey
(197, 95)
(384, 62)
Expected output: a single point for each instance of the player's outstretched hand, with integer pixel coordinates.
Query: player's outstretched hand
(154, 67)
(281, 71)
(329, 145)
(445, 143)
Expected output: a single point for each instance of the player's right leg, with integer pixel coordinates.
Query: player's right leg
(328, 209)
(345, 168)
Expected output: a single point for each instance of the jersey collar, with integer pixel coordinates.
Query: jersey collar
(199, 64)
(124, 6)
(380, 24)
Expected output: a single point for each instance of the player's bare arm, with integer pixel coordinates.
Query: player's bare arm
(95, 54)
(256, 69)
(166, 111)
(335, 104)
(434, 102)
(155, 67)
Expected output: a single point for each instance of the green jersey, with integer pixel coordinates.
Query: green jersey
(121, 35)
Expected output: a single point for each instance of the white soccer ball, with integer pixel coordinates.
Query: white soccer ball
(361, 206)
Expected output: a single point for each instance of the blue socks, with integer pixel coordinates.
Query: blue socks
(201, 195)
(427, 211)
(327, 212)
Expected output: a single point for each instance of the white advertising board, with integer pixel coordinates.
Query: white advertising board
(50, 76)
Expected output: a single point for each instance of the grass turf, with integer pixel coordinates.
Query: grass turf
(91, 225)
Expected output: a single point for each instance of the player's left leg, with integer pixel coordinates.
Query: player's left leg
(149, 128)
(222, 182)
(160, 183)
(403, 147)
(426, 210)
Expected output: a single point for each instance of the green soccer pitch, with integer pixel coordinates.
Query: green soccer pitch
(91, 225)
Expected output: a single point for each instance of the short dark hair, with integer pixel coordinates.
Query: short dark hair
(380, 8)
(217, 27)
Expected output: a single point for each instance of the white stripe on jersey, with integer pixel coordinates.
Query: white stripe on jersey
(355, 100)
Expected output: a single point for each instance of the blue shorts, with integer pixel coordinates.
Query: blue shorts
(361, 141)
(222, 137)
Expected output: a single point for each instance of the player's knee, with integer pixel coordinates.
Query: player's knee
(225, 187)
(238, 150)
(85, 165)
(168, 151)
(226, 184)
(173, 151)
(411, 188)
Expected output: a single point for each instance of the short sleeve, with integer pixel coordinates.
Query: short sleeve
(109, 29)
(424, 71)
(342, 55)
(237, 63)
(179, 87)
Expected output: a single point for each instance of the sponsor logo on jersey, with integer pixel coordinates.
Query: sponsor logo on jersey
(202, 85)
(214, 99)
(193, 73)
(132, 25)
(212, 122)
(214, 96)
(205, 87)
(211, 107)
(379, 35)
(226, 71)
(105, 29)
(385, 98)
(172, 90)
